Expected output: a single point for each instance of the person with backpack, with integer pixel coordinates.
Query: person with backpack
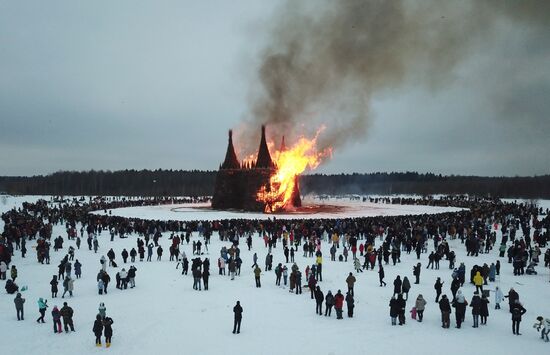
(67, 315)
(42, 306)
(98, 330)
(56, 317)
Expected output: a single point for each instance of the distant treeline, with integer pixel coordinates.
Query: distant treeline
(201, 183)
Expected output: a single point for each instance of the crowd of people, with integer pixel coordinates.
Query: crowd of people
(365, 242)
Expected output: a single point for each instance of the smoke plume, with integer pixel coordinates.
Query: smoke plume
(324, 61)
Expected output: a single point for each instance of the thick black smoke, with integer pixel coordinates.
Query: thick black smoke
(325, 60)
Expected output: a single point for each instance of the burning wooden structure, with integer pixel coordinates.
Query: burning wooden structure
(243, 186)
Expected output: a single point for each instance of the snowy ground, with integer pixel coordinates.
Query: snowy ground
(164, 314)
(346, 209)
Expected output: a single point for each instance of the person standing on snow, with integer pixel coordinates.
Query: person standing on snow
(102, 310)
(108, 330)
(54, 284)
(238, 312)
(350, 280)
(420, 305)
(67, 315)
(98, 330)
(329, 302)
(257, 273)
(381, 275)
(438, 286)
(339, 304)
(517, 312)
(475, 303)
(445, 308)
(42, 306)
(56, 317)
(19, 301)
(350, 303)
(460, 304)
(543, 325)
(319, 297)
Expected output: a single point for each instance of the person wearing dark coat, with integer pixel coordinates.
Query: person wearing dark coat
(98, 330)
(401, 306)
(381, 274)
(512, 297)
(484, 313)
(517, 312)
(406, 286)
(238, 311)
(124, 255)
(394, 310)
(397, 285)
(319, 297)
(445, 308)
(67, 315)
(475, 303)
(77, 269)
(329, 302)
(416, 273)
(205, 276)
(108, 330)
(438, 286)
(350, 303)
(56, 317)
(19, 301)
(54, 284)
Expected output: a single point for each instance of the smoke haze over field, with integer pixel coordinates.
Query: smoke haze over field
(452, 87)
(325, 60)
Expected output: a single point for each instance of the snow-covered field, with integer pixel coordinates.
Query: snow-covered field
(163, 314)
(348, 209)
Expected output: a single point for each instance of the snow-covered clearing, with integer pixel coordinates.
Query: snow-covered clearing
(163, 314)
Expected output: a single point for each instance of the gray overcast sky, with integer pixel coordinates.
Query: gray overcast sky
(157, 84)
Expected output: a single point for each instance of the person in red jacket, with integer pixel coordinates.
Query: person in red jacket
(339, 304)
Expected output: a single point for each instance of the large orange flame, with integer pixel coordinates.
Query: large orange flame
(290, 163)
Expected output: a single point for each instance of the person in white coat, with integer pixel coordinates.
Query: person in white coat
(499, 297)
(543, 325)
